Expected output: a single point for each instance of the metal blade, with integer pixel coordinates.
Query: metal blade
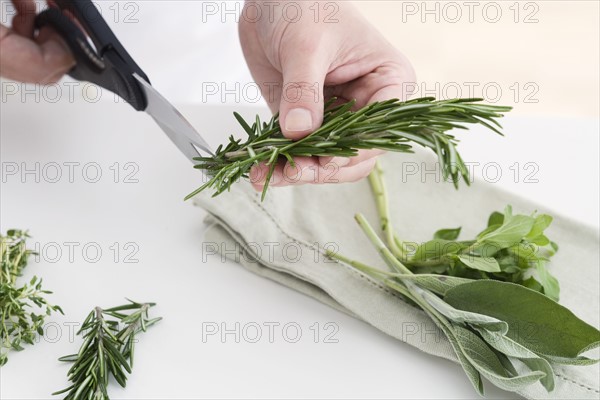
(177, 128)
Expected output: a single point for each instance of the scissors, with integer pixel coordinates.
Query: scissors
(108, 65)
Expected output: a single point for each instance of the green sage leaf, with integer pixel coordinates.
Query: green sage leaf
(487, 363)
(486, 264)
(540, 223)
(439, 284)
(470, 370)
(510, 348)
(457, 315)
(534, 321)
(578, 361)
(511, 232)
(435, 248)
(447, 234)
(548, 282)
(496, 218)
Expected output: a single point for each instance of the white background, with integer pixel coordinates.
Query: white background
(192, 288)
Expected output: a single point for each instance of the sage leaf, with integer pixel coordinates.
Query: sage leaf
(511, 231)
(487, 363)
(534, 321)
(513, 349)
(540, 223)
(439, 284)
(533, 284)
(447, 234)
(486, 264)
(579, 361)
(457, 315)
(495, 219)
(435, 248)
(472, 374)
(549, 283)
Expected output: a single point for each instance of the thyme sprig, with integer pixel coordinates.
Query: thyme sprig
(390, 125)
(107, 350)
(23, 308)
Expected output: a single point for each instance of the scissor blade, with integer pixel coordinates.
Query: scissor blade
(179, 130)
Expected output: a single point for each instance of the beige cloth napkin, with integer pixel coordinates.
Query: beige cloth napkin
(282, 239)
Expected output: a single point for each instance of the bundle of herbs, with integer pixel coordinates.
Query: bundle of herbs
(107, 351)
(109, 334)
(511, 248)
(389, 125)
(483, 296)
(23, 308)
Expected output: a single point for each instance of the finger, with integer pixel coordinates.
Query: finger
(308, 170)
(356, 172)
(26, 60)
(24, 22)
(304, 66)
(304, 170)
(350, 161)
(259, 172)
(387, 81)
(264, 73)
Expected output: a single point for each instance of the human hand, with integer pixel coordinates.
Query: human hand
(299, 65)
(44, 58)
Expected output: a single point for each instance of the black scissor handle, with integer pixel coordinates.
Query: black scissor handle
(108, 65)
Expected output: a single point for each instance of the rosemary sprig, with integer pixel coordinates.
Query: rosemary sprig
(19, 322)
(389, 125)
(107, 350)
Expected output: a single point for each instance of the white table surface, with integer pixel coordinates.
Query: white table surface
(171, 359)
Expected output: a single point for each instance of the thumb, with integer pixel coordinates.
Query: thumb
(301, 104)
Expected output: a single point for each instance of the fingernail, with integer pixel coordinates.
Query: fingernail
(298, 120)
(340, 161)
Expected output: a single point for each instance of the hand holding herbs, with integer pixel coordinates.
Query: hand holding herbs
(492, 323)
(23, 308)
(108, 348)
(389, 125)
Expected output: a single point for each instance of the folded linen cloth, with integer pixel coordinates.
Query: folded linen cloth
(283, 239)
